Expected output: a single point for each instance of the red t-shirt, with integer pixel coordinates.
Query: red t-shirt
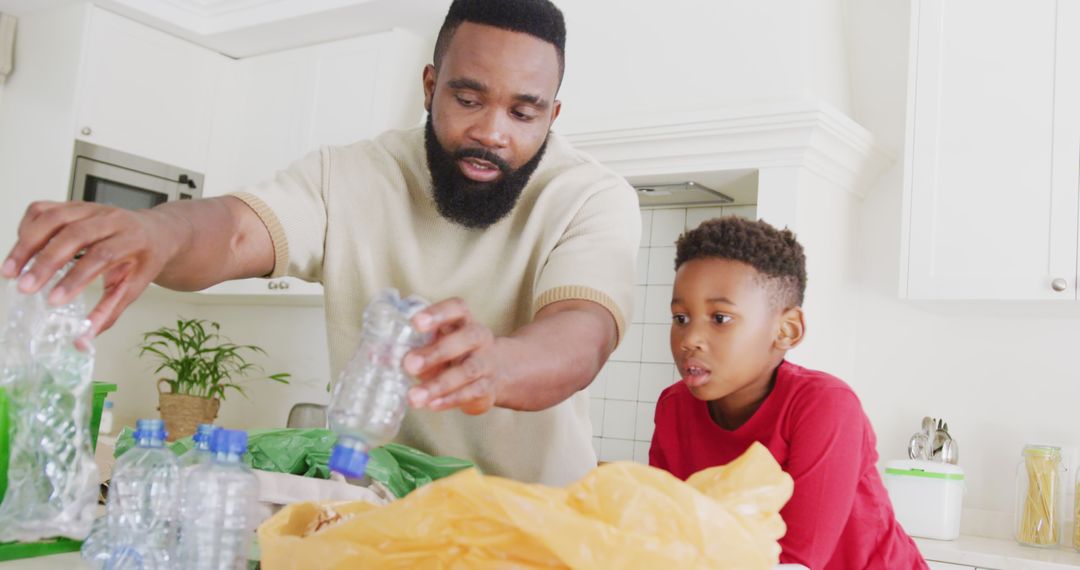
(839, 516)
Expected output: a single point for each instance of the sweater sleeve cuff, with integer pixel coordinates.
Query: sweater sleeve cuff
(578, 292)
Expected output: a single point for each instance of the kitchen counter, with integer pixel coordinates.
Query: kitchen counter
(996, 554)
(66, 561)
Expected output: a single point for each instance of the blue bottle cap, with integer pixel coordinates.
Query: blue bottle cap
(231, 441)
(203, 433)
(153, 429)
(348, 461)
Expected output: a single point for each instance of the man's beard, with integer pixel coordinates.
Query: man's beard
(473, 204)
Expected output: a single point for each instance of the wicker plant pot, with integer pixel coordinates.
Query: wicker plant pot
(182, 414)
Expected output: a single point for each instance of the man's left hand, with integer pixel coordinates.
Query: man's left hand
(460, 367)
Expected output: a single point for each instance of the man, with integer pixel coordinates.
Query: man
(527, 245)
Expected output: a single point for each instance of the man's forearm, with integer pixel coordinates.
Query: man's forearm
(215, 240)
(560, 353)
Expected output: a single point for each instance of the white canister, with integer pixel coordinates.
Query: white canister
(927, 497)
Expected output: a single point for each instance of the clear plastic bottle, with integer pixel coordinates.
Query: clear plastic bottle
(141, 514)
(1039, 510)
(218, 513)
(52, 477)
(368, 401)
(200, 451)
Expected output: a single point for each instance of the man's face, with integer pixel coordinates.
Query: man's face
(491, 106)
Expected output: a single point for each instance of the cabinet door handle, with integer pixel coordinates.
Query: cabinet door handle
(86, 131)
(1059, 285)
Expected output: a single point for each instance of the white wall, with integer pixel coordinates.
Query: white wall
(654, 58)
(1002, 375)
(293, 337)
(37, 118)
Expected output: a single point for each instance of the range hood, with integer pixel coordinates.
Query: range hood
(687, 193)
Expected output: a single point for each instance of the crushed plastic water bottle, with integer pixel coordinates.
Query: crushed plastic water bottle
(200, 451)
(368, 401)
(217, 522)
(52, 477)
(141, 514)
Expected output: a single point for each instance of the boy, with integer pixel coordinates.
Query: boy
(736, 311)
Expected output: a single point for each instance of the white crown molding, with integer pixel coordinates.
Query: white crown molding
(210, 17)
(801, 132)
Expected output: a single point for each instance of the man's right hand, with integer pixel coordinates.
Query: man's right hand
(129, 249)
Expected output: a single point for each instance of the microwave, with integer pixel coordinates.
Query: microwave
(108, 176)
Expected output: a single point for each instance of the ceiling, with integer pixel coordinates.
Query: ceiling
(243, 28)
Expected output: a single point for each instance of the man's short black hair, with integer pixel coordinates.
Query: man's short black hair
(538, 18)
(775, 254)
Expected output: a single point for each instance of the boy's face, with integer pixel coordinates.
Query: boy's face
(727, 333)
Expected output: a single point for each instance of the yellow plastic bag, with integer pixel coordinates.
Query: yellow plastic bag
(621, 515)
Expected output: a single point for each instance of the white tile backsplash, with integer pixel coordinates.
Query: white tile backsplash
(661, 266)
(656, 343)
(620, 419)
(643, 428)
(596, 442)
(617, 450)
(629, 349)
(694, 216)
(666, 227)
(657, 304)
(646, 227)
(654, 379)
(641, 452)
(641, 274)
(621, 380)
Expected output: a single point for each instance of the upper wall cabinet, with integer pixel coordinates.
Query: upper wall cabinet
(993, 150)
(147, 93)
(278, 107)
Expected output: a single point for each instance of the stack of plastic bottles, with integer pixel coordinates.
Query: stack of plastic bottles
(161, 517)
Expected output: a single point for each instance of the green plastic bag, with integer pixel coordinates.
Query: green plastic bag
(306, 452)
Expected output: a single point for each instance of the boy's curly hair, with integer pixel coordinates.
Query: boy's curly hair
(775, 254)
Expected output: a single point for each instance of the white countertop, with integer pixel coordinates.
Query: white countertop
(997, 554)
(66, 561)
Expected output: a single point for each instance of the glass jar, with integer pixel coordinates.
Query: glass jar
(1076, 513)
(1039, 512)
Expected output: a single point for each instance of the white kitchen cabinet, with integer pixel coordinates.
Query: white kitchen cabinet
(276, 108)
(934, 565)
(147, 93)
(993, 150)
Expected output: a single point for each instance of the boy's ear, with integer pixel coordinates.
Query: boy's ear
(792, 329)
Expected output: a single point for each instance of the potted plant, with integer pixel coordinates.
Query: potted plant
(203, 366)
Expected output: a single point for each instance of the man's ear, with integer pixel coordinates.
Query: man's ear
(428, 78)
(556, 107)
(792, 329)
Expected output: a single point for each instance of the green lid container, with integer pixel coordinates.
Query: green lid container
(14, 550)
